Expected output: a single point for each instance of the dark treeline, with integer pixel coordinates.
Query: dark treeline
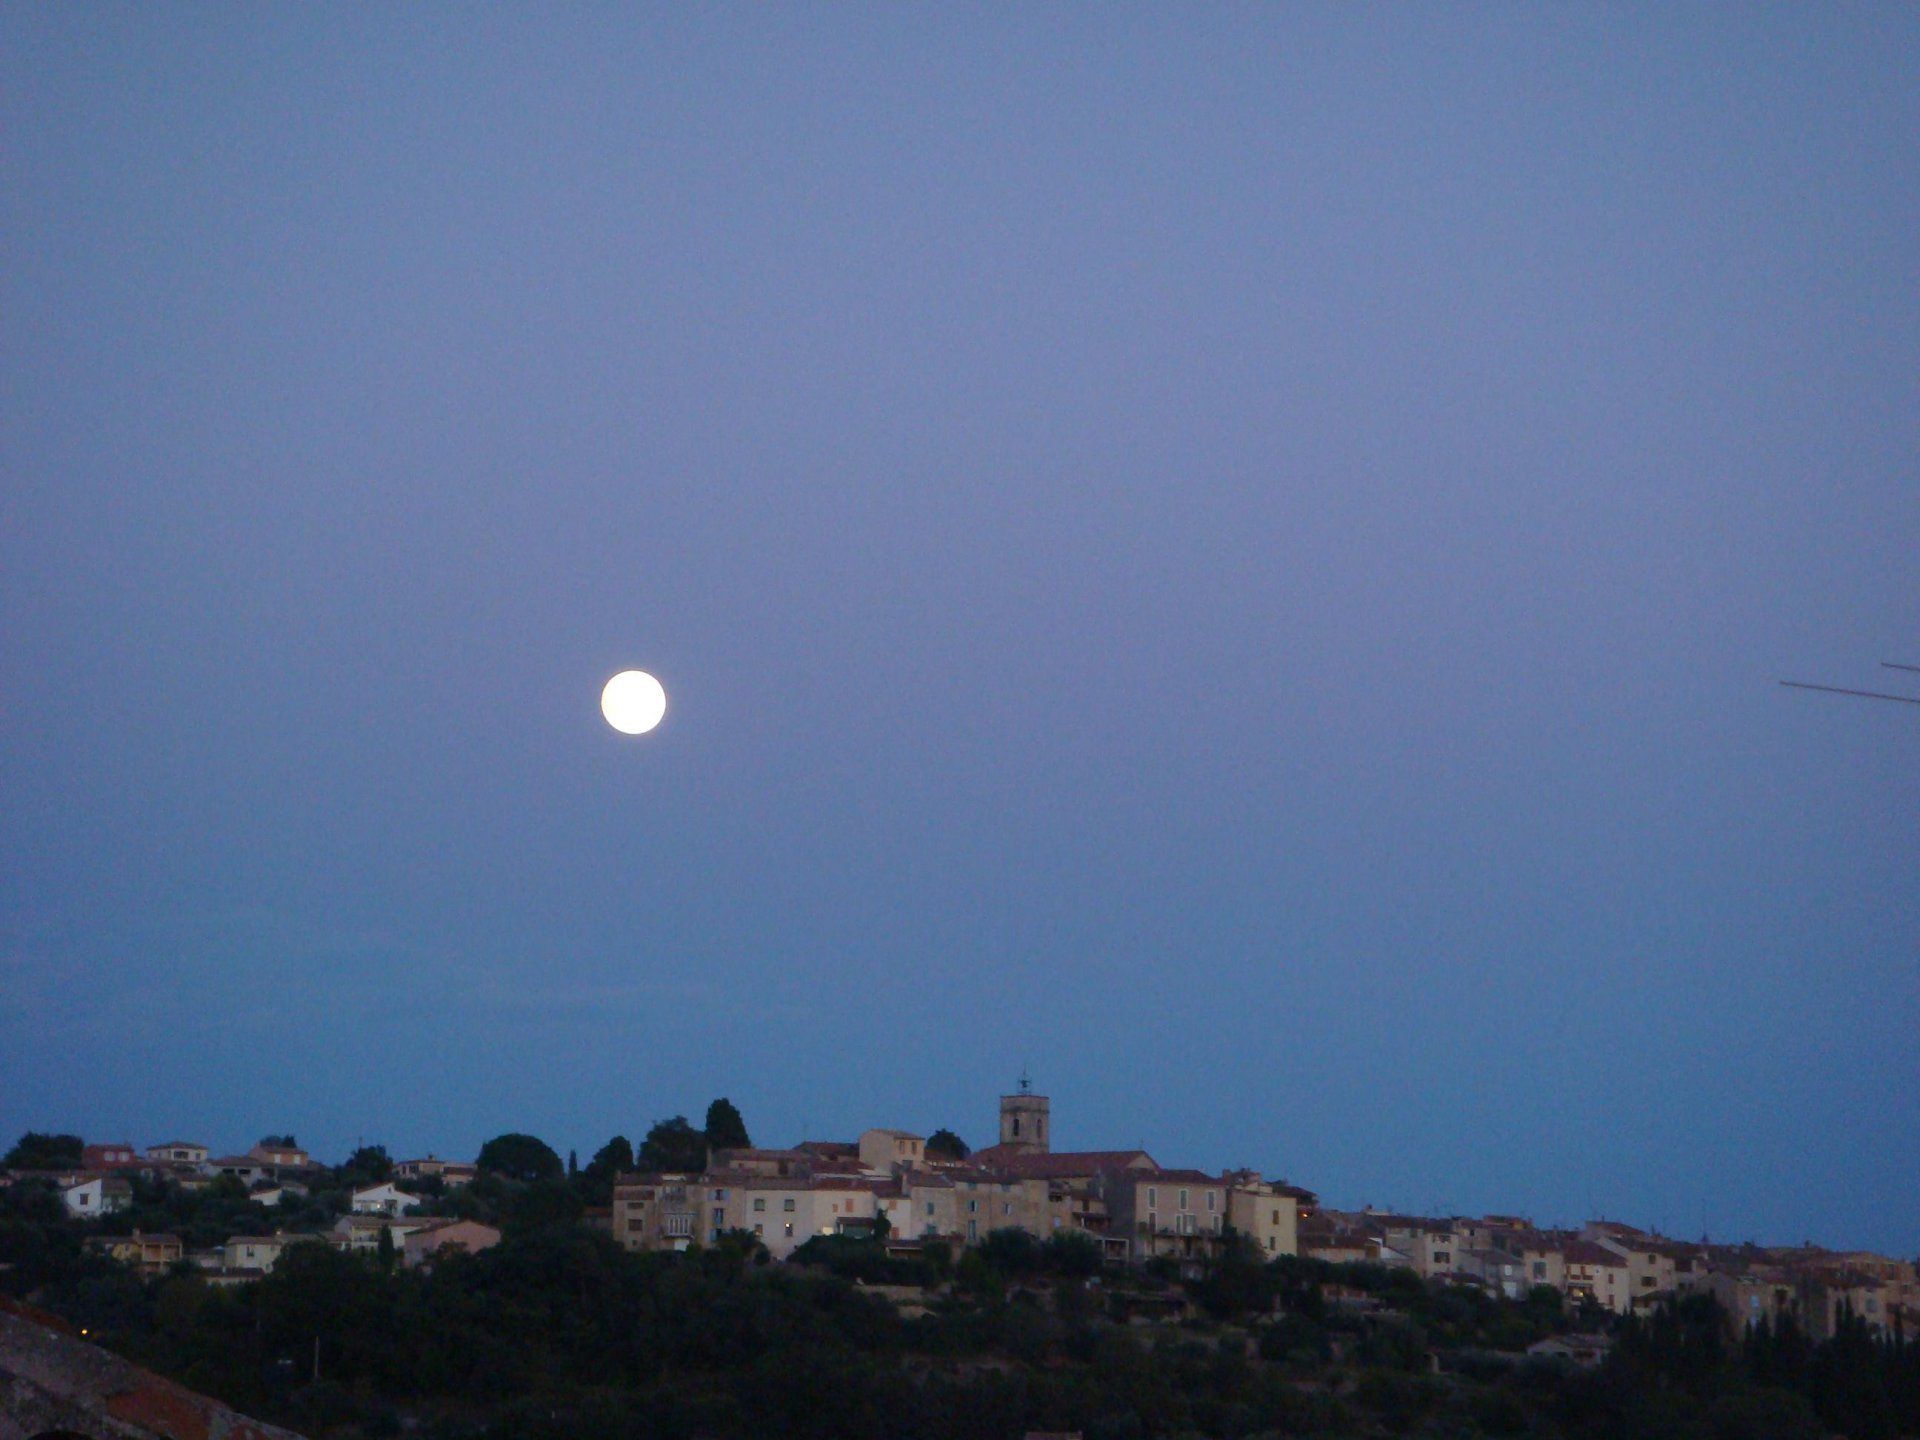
(557, 1332)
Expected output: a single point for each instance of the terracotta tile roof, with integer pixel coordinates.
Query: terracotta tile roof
(1055, 1164)
(928, 1179)
(1585, 1252)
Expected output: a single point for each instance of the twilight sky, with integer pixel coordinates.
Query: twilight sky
(1238, 557)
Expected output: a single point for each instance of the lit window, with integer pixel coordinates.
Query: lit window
(789, 1227)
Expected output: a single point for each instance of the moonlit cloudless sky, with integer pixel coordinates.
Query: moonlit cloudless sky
(1236, 556)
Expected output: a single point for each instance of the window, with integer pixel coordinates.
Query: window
(1005, 1209)
(1276, 1217)
(973, 1229)
(787, 1205)
(789, 1227)
(759, 1229)
(759, 1205)
(973, 1207)
(929, 1207)
(1442, 1257)
(1183, 1199)
(719, 1194)
(1272, 1244)
(1211, 1198)
(719, 1215)
(1539, 1269)
(1153, 1221)
(1016, 1130)
(1153, 1197)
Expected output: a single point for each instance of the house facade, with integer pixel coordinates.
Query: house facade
(1179, 1214)
(1266, 1212)
(657, 1211)
(150, 1254)
(466, 1237)
(97, 1196)
(383, 1200)
(179, 1152)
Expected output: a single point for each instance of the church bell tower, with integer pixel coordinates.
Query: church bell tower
(1023, 1120)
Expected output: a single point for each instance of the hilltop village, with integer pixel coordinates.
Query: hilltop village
(912, 1194)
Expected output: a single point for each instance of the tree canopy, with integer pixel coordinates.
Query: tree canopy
(595, 1182)
(35, 1151)
(673, 1145)
(520, 1157)
(613, 1157)
(947, 1145)
(368, 1165)
(726, 1130)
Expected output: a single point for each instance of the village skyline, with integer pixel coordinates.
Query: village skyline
(1613, 1209)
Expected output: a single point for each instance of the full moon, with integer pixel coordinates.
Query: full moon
(633, 702)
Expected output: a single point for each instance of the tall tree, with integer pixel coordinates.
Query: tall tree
(946, 1145)
(726, 1130)
(520, 1157)
(595, 1182)
(613, 1157)
(674, 1145)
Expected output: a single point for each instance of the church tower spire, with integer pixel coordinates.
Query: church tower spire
(1024, 1119)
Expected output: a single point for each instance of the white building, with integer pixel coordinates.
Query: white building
(383, 1200)
(101, 1195)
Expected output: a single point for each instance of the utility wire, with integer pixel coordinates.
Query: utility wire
(1864, 694)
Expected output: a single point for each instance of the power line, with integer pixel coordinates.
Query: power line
(1863, 694)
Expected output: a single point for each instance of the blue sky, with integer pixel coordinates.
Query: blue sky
(1238, 557)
